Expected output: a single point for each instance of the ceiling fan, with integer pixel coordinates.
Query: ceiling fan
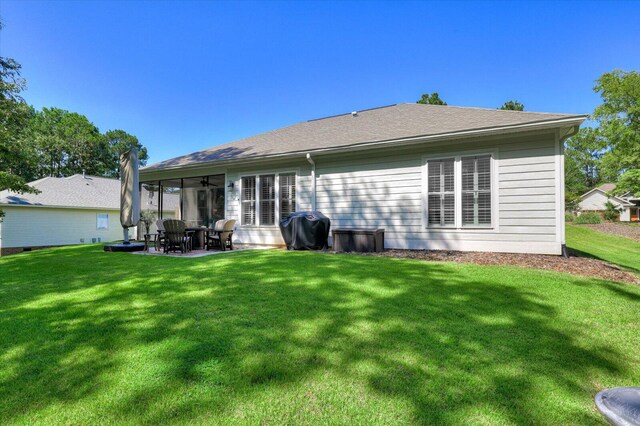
(205, 182)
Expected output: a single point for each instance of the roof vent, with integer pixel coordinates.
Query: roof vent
(354, 113)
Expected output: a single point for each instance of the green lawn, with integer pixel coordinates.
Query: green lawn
(611, 248)
(280, 337)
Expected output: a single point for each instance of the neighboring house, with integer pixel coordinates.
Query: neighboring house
(434, 177)
(70, 210)
(595, 200)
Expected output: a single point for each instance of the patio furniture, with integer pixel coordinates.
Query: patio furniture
(160, 239)
(198, 238)
(176, 236)
(221, 235)
(151, 238)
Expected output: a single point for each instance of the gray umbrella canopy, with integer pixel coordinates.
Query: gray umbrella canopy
(129, 190)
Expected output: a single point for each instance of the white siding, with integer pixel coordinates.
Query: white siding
(383, 189)
(596, 201)
(625, 215)
(42, 226)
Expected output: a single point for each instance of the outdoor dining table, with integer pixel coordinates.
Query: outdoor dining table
(199, 237)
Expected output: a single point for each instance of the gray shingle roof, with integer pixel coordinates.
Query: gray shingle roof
(374, 125)
(78, 191)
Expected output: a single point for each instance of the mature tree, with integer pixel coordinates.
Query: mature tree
(583, 153)
(119, 142)
(431, 99)
(14, 114)
(609, 152)
(512, 106)
(629, 182)
(619, 117)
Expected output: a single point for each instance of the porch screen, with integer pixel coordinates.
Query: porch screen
(287, 194)
(267, 200)
(476, 190)
(440, 193)
(248, 200)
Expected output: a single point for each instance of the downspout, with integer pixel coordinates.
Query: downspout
(313, 178)
(572, 132)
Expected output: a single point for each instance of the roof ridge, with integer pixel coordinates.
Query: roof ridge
(349, 113)
(493, 109)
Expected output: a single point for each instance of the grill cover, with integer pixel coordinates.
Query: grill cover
(305, 230)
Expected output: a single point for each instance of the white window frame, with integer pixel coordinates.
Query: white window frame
(257, 175)
(458, 227)
(106, 217)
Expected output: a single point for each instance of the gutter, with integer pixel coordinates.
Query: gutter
(313, 178)
(488, 131)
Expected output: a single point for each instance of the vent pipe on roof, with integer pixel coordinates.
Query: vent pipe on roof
(84, 174)
(354, 113)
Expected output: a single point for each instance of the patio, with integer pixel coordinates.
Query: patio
(199, 201)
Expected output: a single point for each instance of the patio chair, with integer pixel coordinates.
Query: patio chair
(161, 236)
(176, 237)
(222, 235)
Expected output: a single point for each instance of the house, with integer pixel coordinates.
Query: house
(434, 177)
(595, 200)
(68, 210)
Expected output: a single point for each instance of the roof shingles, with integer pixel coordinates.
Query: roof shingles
(374, 125)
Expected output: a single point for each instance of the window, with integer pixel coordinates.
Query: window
(287, 194)
(458, 192)
(102, 221)
(248, 199)
(476, 190)
(441, 195)
(266, 199)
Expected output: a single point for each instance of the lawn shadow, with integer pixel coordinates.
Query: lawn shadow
(210, 334)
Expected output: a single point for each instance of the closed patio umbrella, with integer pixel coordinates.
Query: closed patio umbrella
(129, 192)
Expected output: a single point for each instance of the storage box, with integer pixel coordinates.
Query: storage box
(358, 240)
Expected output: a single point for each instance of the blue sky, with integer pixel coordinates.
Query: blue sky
(184, 76)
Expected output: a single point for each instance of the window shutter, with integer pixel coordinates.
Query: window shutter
(287, 194)
(267, 200)
(248, 198)
(440, 192)
(476, 190)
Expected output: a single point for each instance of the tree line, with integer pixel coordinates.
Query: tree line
(51, 141)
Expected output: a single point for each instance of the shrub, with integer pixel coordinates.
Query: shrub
(612, 212)
(589, 218)
(568, 217)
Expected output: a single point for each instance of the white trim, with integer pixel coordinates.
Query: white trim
(559, 179)
(457, 157)
(535, 247)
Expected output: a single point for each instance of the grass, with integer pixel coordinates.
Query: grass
(305, 338)
(611, 248)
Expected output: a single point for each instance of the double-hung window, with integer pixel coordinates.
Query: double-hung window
(266, 199)
(287, 194)
(441, 195)
(458, 192)
(476, 191)
(248, 200)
